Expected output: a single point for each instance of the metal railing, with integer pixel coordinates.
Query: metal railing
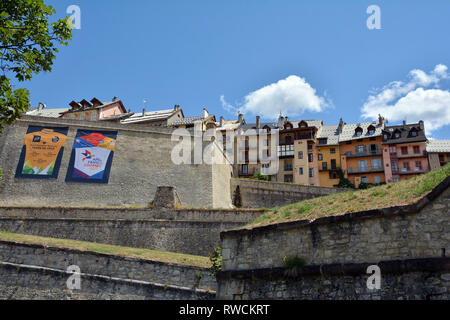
(351, 154)
(365, 169)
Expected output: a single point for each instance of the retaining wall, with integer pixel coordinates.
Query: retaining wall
(263, 194)
(18, 281)
(417, 231)
(192, 231)
(108, 265)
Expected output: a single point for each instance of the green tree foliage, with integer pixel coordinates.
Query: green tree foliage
(237, 200)
(344, 182)
(216, 261)
(260, 176)
(27, 47)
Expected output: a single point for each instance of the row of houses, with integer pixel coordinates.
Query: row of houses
(373, 152)
(308, 152)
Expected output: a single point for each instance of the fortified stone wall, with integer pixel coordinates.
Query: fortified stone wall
(192, 237)
(417, 231)
(421, 279)
(18, 281)
(142, 161)
(108, 265)
(191, 231)
(242, 216)
(263, 194)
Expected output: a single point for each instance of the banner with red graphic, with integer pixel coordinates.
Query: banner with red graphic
(91, 157)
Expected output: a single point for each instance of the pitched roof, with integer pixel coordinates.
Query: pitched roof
(51, 113)
(89, 106)
(117, 116)
(192, 120)
(149, 116)
(310, 123)
(349, 133)
(228, 125)
(271, 125)
(405, 133)
(438, 146)
(331, 133)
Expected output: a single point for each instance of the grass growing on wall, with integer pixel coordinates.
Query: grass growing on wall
(154, 255)
(383, 196)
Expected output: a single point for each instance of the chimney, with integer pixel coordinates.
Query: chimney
(176, 108)
(380, 120)
(205, 113)
(221, 121)
(421, 126)
(241, 118)
(143, 111)
(258, 122)
(341, 125)
(404, 123)
(114, 98)
(41, 106)
(280, 121)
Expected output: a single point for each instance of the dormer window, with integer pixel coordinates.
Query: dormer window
(413, 132)
(288, 125)
(302, 124)
(397, 134)
(358, 131)
(371, 129)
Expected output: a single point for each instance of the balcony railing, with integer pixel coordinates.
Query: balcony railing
(288, 167)
(409, 155)
(416, 170)
(285, 150)
(247, 172)
(365, 169)
(332, 168)
(350, 154)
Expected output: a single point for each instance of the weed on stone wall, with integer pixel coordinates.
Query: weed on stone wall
(216, 261)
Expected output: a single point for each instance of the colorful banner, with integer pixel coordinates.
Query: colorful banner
(91, 157)
(42, 152)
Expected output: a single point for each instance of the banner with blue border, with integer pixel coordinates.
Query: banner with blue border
(91, 157)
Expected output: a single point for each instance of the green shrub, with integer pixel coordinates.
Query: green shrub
(216, 261)
(260, 176)
(344, 182)
(293, 261)
(363, 185)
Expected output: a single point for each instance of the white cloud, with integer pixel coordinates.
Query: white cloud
(411, 100)
(292, 96)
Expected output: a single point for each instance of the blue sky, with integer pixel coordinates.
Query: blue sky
(192, 53)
